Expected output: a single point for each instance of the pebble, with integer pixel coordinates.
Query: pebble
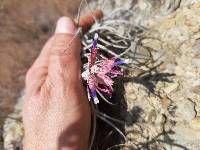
(195, 124)
(172, 87)
(186, 109)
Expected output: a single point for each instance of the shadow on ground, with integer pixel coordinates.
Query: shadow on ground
(109, 137)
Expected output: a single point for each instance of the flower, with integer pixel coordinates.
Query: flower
(99, 75)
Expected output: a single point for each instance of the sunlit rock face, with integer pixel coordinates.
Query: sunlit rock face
(167, 98)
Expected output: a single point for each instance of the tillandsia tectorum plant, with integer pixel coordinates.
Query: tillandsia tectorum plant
(111, 42)
(118, 41)
(99, 74)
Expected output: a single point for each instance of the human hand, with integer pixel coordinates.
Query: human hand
(56, 111)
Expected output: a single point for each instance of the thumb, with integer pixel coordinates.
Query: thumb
(64, 59)
(66, 25)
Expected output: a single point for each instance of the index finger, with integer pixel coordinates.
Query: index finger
(87, 21)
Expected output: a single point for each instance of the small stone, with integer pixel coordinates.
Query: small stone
(166, 102)
(195, 124)
(196, 89)
(154, 44)
(13, 129)
(196, 62)
(193, 1)
(179, 71)
(169, 23)
(171, 87)
(186, 109)
(13, 136)
(160, 122)
(151, 116)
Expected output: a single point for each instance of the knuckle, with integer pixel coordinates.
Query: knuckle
(28, 76)
(64, 44)
(59, 45)
(34, 73)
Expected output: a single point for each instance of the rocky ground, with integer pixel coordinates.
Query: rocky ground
(162, 100)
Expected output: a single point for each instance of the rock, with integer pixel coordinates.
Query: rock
(130, 94)
(171, 87)
(151, 117)
(12, 135)
(185, 109)
(182, 137)
(196, 62)
(12, 128)
(195, 124)
(166, 102)
(194, 1)
(160, 122)
(196, 89)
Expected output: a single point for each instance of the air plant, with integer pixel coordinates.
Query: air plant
(106, 49)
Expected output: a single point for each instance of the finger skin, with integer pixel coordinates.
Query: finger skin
(43, 59)
(64, 60)
(87, 21)
(36, 75)
(56, 112)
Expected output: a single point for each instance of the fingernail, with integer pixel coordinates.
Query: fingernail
(66, 25)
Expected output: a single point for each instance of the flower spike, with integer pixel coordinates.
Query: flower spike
(99, 75)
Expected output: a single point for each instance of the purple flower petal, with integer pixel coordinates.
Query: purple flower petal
(104, 79)
(94, 44)
(94, 96)
(100, 75)
(119, 62)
